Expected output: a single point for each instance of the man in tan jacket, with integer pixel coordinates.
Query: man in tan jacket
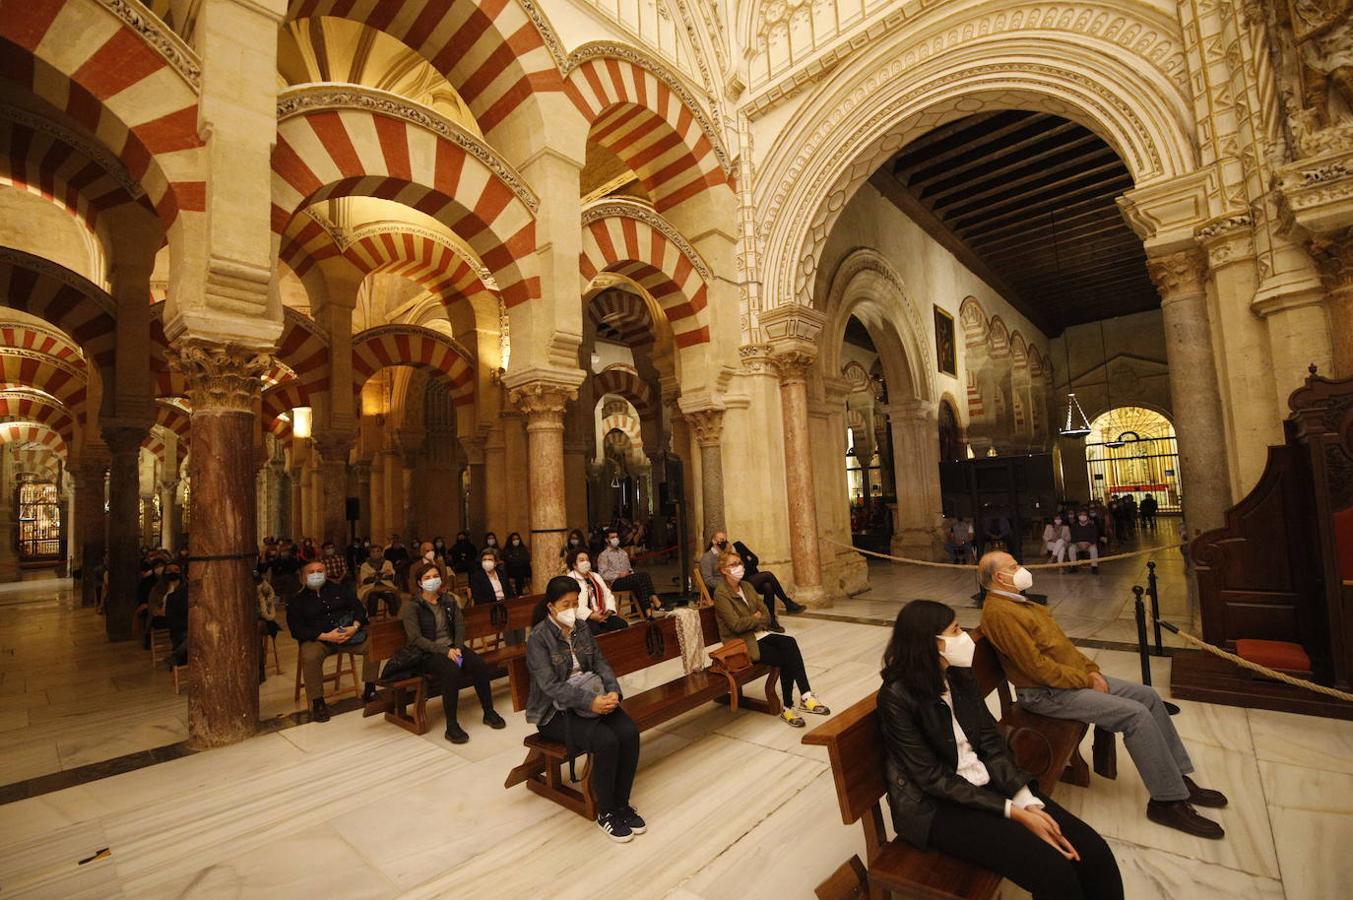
(1053, 678)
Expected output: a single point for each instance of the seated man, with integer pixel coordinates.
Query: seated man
(1053, 678)
(323, 617)
(335, 566)
(613, 565)
(1085, 538)
(376, 583)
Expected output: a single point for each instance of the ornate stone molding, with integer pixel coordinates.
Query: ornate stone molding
(614, 50)
(173, 48)
(1316, 195)
(792, 366)
(94, 152)
(77, 372)
(220, 378)
(1178, 275)
(92, 292)
(464, 255)
(642, 212)
(547, 35)
(397, 328)
(306, 98)
(754, 358)
(1333, 255)
(1227, 239)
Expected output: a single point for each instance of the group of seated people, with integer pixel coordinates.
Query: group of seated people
(162, 600)
(1080, 533)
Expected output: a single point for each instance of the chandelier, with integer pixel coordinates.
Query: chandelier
(1076, 424)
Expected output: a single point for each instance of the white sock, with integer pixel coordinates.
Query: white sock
(807, 695)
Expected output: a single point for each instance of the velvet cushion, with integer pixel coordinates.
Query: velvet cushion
(1280, 655)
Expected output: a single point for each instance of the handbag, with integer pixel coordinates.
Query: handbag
(356, 637)
(590, 682)
(732, 656)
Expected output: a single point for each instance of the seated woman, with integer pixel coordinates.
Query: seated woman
(376, 582)
(596, 603)
(487, 584)
(741, 614)
(1056, 538)
(575, 699)
(764, 583)
(952, 785)
(434, 624)
(576, 540)
(517, 563)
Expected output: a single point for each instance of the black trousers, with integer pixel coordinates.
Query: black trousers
(610, 623)
(613, 741)
(768, 586)
(1009, 849)
(783, 651)
(452, 677)
(376, 596)
(638, 583)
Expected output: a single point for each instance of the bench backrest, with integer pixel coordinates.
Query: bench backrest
(705, 598)
(854, 741)
(627, 651)
(491, 619)
(386, 637)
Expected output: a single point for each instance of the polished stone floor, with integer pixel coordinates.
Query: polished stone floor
(738, 807)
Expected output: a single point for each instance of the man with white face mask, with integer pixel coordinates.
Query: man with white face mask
(1053, 678)
(324, 618)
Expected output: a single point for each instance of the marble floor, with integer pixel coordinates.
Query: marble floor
(359, 808)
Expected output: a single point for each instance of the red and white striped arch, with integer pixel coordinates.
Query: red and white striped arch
(66, 382)
(627, 425)
(624, 381)
(113, 79)
(333, 152)
(304, 350)
(43, 463)
(638, 113)
(490, 51)
(413, 345)
(624, 312)
(67, 301)
(21, 405)
(421, 258)
(627, 243)
(174, 418)
(33, 433)
(305, 244)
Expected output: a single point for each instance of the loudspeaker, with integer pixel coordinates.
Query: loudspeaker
(354, 509)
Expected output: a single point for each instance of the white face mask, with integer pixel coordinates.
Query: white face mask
(958, 650)
(567, 617)
(430, 555)
(488, 564)
(431, 585)
(492, 542)
(315, 580)
(584, 566)
(736, 572)
(1023, 579)
(516, 542)
(614, 542)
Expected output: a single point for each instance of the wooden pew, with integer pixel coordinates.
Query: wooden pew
(404, 701)
(629, 651)
(855, 748)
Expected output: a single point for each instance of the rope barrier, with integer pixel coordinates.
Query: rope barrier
(939, 565)
(651, 553)
(1253, 666)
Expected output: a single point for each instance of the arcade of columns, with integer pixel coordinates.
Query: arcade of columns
(190, 167)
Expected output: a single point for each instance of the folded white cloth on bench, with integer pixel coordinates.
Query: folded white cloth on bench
(691, 637)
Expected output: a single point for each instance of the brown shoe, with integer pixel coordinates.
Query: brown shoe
(1200, 796)
(1178, 814)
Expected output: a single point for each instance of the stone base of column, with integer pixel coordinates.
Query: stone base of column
(914, 543)
(812, 597)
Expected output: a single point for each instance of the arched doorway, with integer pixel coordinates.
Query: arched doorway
(1132, 451)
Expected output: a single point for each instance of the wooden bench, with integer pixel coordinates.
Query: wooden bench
(855, 748)
(631, 650)
(404, 701)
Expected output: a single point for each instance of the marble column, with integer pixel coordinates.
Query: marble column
(575, 480)
(396, 511)
(792, 367)
(543, 403)
(296, 520)
(1194, 392)
(707, 425)
(515, 465)
(1333, 253)
(333, 448)
(915, 440)
(380, 515)
(149, 536)
(124, 536)
(223, 384)
(495, 486)
(474, 454)
(169, 518)
(91, 519)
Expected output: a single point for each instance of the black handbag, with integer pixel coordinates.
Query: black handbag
(407, 662)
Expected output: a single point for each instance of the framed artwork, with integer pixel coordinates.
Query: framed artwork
(946, 354)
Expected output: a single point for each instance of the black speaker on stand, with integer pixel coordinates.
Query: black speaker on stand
(352, 511)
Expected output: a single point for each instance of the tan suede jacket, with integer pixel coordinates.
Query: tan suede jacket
(1033, 649)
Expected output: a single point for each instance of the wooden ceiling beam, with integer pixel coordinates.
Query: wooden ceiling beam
(1049, 184)
(936, 192)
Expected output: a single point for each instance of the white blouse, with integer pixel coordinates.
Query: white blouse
(972, 770)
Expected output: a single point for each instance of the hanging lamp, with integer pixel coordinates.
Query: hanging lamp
(1075, 425)
(1108, 388)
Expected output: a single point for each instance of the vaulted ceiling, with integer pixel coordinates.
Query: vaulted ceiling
(1026, 200)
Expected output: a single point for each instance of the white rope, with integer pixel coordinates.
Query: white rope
(939, 565)
(1256, 667)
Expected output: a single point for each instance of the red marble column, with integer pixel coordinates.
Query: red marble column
(124, 535)
(223, 385)
(801, 490)
(543, 403)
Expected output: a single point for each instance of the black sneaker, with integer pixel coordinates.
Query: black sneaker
(775, 627)
(633, 819)
(456, 735)
(319, 711)
(616, 828)
(493, 720)
(794, 608)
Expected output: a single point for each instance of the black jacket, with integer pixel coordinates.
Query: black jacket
(481, 589)
(311, 613)
(549, 660)
(749, 559)
(460, 555)
(420, 624)
(176, 613)
(517, 561)
(922, 755)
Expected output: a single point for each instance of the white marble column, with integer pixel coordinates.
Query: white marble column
(915, 433)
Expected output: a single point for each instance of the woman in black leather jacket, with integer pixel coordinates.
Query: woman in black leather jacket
(952, 785)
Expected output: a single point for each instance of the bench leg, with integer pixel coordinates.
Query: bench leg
(1077, 772)
(556, 786)
(399, 715)
(770, 706)
(420, 708)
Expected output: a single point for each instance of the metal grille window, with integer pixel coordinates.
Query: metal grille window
(39, 522)
(1133, 451)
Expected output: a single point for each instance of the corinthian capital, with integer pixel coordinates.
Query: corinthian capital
(792, 365)
(707, 425)
(543, 402)
(1333, 253)
(225, 377)
(1178, 274)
